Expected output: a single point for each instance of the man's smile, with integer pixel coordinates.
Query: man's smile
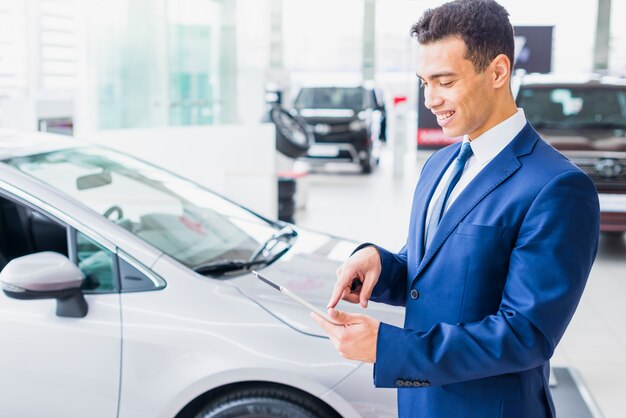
(444, 115)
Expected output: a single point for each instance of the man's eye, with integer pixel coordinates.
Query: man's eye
(448, 84)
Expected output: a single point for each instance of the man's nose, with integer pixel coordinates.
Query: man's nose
(431, 98)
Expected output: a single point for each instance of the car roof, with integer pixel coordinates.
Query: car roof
(17, 143)
(333, 86)
(552, 79)
(330, 82)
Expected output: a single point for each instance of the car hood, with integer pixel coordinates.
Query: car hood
(586, 140)
(308, 269)
(334, 116)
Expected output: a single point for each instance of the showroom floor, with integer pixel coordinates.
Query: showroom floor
(376, 208)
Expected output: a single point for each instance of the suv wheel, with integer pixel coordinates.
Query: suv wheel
(368, 163)
(366, 166)
(272, 402)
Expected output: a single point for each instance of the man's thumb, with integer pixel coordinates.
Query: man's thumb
(342, 317)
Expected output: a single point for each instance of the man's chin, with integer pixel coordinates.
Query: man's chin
(451, 133)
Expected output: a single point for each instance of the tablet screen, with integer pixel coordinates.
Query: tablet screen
(295, 297)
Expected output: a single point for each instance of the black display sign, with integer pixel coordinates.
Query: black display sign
(533, 48)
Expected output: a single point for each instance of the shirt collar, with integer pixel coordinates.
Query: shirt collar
(489, 144)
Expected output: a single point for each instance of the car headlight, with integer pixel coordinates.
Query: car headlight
(357, 125)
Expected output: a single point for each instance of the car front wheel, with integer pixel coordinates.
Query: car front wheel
(369, 163)
(264, 403)
(366, 166)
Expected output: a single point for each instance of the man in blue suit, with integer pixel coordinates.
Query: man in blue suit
(502, 237)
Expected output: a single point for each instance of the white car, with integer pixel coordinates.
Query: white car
(127, 293)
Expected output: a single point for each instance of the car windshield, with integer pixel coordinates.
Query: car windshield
(574, 107)
(331, 98)
(180, 218)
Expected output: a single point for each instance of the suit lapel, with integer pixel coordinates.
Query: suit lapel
(496, 172)
(421, 207)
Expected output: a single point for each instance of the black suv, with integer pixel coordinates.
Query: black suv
(585, 119)
(348, 123)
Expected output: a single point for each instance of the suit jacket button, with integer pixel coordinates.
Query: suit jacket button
(425, 383)
(399, 382)
(414, 294)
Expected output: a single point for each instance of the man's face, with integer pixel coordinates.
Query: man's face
(461, 99)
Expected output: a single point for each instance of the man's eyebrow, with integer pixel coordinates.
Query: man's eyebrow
(437, 75)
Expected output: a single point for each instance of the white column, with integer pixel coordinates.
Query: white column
(399, 115)
(369, 37)
(603, 31)
(228, 62)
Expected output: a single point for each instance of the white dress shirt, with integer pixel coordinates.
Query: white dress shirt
(484, 149)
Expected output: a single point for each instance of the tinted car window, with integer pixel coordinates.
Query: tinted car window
(25, 231)
(574, 107)
(332, 98)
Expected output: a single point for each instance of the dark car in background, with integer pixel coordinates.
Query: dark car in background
(585, 119)
(348, 123)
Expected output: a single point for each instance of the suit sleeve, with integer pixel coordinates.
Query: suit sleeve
(548, 269)
(391, 285)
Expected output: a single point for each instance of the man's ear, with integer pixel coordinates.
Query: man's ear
(501, 71)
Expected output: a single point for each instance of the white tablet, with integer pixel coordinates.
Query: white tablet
(297, 298)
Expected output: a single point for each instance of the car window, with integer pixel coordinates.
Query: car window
(97, 264)
(24, 231)
(332, 98)
(174, 215)
(574, 106)
(136, 278)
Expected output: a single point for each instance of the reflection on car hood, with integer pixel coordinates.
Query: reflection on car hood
(326, 113)
(308, 270)
(585, 140)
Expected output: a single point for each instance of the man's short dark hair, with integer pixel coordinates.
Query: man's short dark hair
(482, 24)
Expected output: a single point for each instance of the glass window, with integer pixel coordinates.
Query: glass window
(574, 107)
(97, 264)
(25, 231)
(332, 98)
(175, 215)
(162, 66)
(135, 279)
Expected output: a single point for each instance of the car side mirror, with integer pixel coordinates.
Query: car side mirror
(46, 275)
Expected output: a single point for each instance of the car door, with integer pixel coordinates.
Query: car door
(54, 366)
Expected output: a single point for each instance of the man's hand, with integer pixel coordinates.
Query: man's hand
(356, 339)
(357, 277)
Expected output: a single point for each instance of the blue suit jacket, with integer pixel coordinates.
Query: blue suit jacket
(497, 287)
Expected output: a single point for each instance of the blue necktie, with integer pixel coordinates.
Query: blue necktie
(440, 204)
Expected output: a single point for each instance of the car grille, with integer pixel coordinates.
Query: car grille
(343, 137)
(608, 174)
(333, 130)
(339, 128)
